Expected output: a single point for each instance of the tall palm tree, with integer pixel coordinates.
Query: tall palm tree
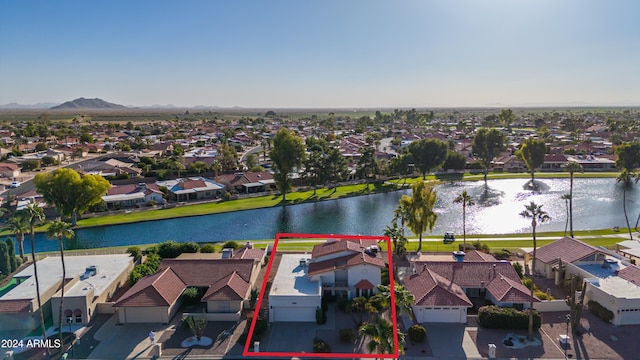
(18, 225)
(566, 198)
(625, 178)
(61, 230)
(534, 212)
(465, 200)
(381, 335)
(571, 167)
(34, 216)
(420, 208)
(399, 242)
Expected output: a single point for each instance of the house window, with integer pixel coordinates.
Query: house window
(78, 315)
(68, 316)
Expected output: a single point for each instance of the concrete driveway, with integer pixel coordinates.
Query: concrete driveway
(291, 337)
(451, 341)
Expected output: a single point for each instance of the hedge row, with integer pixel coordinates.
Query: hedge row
(601, 311)
(494, 317)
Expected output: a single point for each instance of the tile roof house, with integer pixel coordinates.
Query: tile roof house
(568, 249)
(344, 268)
(247, 182)
(225, 283)
(443, 288)
(193, 188)
(119, 196)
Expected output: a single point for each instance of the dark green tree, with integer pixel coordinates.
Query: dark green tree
(487, 144)
(287, 154)
(625, 178)
(5, 260)
(428, 154)
(628, 156)
(506, 118)
(367, 166)
(466, 200)
(419, 208)
(571, 167)
(315, 172)
(60, 230)
(532, 153)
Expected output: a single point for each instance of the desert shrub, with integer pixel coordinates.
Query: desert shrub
(481, 246)
(321, 317)
(189, 247)
(542, 295)
(231, 245)
(417, 333)
(503, 254)
(320, 346)
(469, 247)
(601, 311)
(135, 252)
(494, 317)
(191, 296)
(347, 335)
(567, 283)
(207, 248)
(518, 268)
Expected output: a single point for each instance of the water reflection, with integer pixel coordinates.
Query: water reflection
(597, 205)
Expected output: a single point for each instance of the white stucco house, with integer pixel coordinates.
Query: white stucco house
(344, 268)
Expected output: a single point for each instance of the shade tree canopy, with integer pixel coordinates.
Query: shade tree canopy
(428, 154)
(71, 193)
(486, 145)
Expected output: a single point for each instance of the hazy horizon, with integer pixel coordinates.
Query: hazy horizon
(323, 54)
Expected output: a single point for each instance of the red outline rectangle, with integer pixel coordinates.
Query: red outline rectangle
(395, 354)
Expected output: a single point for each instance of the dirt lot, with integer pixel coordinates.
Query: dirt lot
(604, 341)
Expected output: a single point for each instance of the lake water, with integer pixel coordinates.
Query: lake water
(597, 205)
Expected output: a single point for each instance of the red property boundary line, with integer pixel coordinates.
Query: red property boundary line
(395, 354)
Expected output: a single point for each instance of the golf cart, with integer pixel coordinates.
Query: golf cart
(449, 237)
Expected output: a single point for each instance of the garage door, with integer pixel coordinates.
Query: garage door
(295, 314)
(629, 317)
(441, 315)
(145, 315)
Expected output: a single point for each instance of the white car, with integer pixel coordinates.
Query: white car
(15, 184)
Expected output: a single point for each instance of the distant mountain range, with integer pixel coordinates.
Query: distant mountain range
(23, 106)
(83, 103)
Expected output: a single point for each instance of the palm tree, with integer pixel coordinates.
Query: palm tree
(419, 208)
(534, 212)
(625, 178)
(571, 167)
(566, 198)
(404, 299)
(18, 225)
(61, 230)
(381, 335)
(35, 215)
(399, 244)
(466, 200)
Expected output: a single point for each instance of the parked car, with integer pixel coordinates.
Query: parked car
(449, 237)
(15, 184)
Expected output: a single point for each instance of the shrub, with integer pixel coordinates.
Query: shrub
(601, 311)
(417, 333)
(343, 302)
(518, 268)
(481, 246)
(135, 252)
(324, 303)
(153, 249)
(168, 249)
(378, 301)
(347, 335)
(321, 317)
(503, 254)
(261, 325)
(469, 247)
(542, 295)
(189, 247)
(191, 296)
(207, 248)
(493, 317)
(320, 346)
(231, 245)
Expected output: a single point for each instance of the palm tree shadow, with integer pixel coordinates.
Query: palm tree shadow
(489, 197)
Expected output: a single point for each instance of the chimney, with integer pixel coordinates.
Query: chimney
(458, 255)
(227, 253)
(142, 186)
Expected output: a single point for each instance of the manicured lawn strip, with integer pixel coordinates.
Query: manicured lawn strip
(236, 205)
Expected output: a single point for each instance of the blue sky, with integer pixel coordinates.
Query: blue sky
(322, 53)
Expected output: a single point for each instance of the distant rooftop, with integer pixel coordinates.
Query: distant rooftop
(292, 279)
(617, 287)
(609, 269)
(50, 273)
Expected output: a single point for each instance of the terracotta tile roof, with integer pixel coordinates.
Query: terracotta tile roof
(231, 287)
(15, 306)
(253, 177)
(204, 272)
(478, 256)
(364, 284)
(431, 289)
(248, 253)
(160, 289)
(332, 247)
(192, 184)
(507, 290)
(568, 249)
(470, 274)
(345, 262)
(631, 274)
